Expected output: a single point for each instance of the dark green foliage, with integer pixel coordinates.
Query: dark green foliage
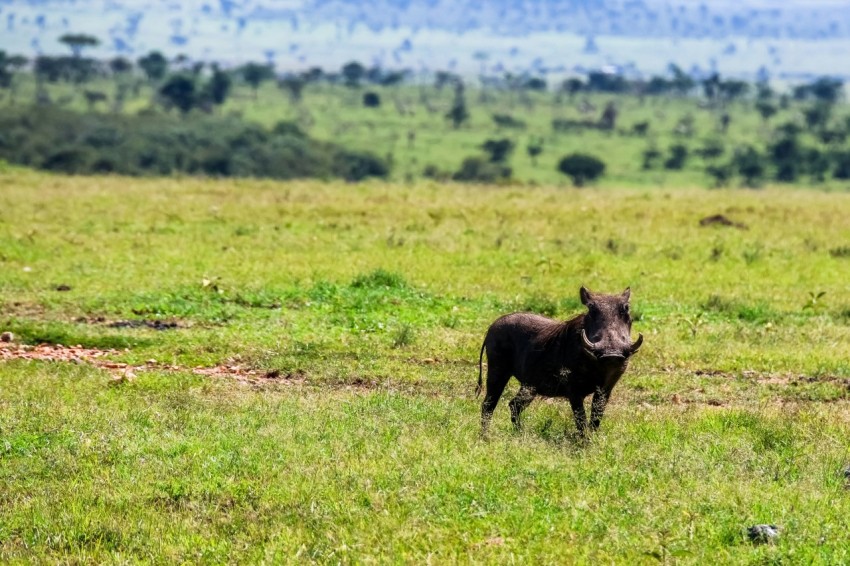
(353, 73)
(842, 166)
(256, 74)
(371, 99)
(640, 128)
(786, 155)
(749, 163)
(70, 69)
(766, 109)
(817, 116)
(120, 65)
(431, 171)
(721, 174)
(606, 82)
(179, 92)
(481, 170)
(817, 163)
(79, 41)
(677, 158)
(609, 117)
(458, 113)
(498, 150)
(356, 166)
(534, 148)
(572, 85)
(711, 149)
(536, 83)
(508, 121)
(581, 168)
(155, 65)
(218, 87)
(650, 156)
(9, 64)
(733, 89)
(294, 85)
(154, 144)
(825, 89)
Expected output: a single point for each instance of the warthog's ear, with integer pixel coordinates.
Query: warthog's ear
(627, 293)
(585, 295)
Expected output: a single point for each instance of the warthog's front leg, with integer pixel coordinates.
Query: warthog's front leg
(577, 403)
(597, 409)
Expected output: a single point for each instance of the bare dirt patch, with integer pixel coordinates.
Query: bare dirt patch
(104, 359)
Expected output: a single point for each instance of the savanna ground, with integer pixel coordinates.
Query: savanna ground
(411, 132)
(364, 307)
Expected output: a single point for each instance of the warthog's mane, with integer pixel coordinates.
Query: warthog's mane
(557, 332)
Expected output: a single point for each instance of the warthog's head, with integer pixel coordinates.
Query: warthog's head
(607, 327)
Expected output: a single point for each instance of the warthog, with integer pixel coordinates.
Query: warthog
(572, 359)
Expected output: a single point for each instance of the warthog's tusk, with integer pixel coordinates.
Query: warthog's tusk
(636, 346)
(584, 339)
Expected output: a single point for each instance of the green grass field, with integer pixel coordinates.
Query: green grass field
(336, 113)
(371, 300)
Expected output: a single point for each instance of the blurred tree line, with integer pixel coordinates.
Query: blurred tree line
(813, 146)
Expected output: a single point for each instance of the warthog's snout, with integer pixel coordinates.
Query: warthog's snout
(610, 353)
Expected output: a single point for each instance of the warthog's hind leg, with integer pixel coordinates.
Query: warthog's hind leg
(519, 403)
(496, 382)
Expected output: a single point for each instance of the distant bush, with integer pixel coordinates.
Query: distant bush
(640, 128)
(749, 163)
(481, 170)
(721, 174)
(508, 121)
(677, 158)
(154, 144)
(498, 150)
(371, 99)
(711, 149)
(581, 168)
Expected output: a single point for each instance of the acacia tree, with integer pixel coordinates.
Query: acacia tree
(154, 65)
(79, 41)
(581, 168)
(256, 74)
(218, 87)
(353, 73)
(180, 92)
(458, 113)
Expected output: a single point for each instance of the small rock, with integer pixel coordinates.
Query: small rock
(846, 472)
(62, 288)
(7, 337)
(763, 534)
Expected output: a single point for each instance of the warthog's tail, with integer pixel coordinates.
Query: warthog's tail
(480, 358)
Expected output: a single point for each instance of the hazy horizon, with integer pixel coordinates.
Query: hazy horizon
(784, 40)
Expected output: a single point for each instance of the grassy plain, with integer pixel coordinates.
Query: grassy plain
(373, 299)
(336, 113)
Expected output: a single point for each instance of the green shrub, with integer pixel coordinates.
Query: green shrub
(156, 144)
(481, 170)
(581, 168)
